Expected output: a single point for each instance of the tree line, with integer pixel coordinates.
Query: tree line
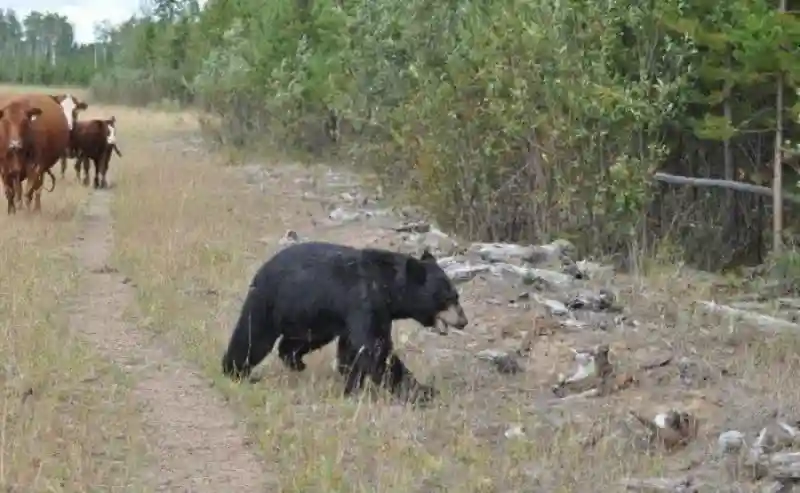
(512, 120)
(41, 49)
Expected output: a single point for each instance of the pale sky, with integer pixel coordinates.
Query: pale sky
(83, 14)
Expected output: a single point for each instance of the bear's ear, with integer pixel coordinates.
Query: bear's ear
(415, 271)
(427, 257)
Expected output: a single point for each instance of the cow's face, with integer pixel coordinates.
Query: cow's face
(15, 121)
(71, 106)
(111, 131)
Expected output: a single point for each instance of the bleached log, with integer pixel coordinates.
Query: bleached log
(533, 254)
(553, 278)
(655, 485)
(463, 272)
(780, 466)
(763, 322)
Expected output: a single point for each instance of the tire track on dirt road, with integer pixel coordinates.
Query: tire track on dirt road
(197, 442)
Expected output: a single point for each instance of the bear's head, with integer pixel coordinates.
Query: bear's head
(430, 297)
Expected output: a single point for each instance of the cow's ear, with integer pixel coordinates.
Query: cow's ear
(82, 106)
(57, 99)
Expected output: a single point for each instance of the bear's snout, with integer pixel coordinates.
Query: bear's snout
(452, 316)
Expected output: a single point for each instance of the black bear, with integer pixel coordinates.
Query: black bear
(310, 293)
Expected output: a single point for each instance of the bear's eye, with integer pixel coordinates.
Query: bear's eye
(451, 297)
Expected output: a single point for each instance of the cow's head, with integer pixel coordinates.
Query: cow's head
(71, 106)
(111, 131)
(15, 120)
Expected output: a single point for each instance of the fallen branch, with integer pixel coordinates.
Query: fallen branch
(672, 429)
(789, 302)
(783, 303)
(717, 183)
(782, 466)
(785, 472)
(763, 322)
(652, 485)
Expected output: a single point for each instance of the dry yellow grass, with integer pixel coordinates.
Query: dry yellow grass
(189, 233)
(66, 421)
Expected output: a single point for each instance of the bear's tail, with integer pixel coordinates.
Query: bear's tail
(252, 338)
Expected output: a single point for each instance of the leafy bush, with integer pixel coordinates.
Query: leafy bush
(511, 120)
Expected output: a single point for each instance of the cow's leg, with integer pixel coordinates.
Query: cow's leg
(31, 173)
(8, 186)
(37, 191)
(85, 161)
(97, 173)
(78, 161)
(105, 159)
(17, 189)
(28, 195)
(63, 165)
(34, 184)
(37, 206)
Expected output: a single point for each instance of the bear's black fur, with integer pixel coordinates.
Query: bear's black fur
(311, 293)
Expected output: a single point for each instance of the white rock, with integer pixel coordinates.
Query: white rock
(516, 431)
(730, 442)
(556, 307)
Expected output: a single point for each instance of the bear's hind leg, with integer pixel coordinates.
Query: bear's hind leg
(292, 351)
(253, 337)
(239, 359)
(246, 349)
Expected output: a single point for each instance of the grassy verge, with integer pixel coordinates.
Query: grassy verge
(67, 423)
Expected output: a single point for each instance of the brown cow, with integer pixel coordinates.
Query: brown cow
(71, 106)
(94, 139)
(16, 137)
(47, 137)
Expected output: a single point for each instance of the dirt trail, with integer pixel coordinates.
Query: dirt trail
(197, 441)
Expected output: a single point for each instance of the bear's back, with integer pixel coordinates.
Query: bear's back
(324, 259)
(310, 258)
(326, 276)
(317, 283)
(318, 273)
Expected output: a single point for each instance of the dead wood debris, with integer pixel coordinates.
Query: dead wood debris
(661, 485)
(761, 321)
(595, 375)
(672, 429)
